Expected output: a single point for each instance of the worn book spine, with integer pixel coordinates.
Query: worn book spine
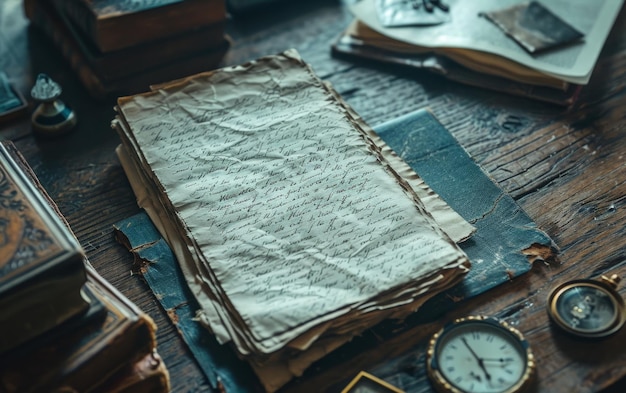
(84, 358)
(99, 87)
(123, 63)
(41, 263)
(148, 375)
(51, 26)
(115, 25)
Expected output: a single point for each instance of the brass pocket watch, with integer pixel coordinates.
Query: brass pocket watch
(588, 308)
(479, 354)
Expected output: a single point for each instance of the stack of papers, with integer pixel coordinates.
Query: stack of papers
(295, 226)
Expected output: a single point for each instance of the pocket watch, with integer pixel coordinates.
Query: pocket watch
(588, 308)
(479, 354)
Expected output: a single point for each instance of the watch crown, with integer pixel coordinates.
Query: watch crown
(613, 280)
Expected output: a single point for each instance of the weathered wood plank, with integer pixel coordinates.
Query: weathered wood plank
(565, 167)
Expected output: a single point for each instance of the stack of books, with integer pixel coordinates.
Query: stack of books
(62, 326)
(122, 47)
(468, 44)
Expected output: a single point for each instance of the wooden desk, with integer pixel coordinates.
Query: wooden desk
(567, 169)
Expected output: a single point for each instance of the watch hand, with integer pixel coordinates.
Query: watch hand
(478, 359)
(501, 360)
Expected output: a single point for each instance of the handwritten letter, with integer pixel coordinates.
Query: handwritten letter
(294, 213)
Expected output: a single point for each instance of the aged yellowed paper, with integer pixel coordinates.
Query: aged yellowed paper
(291, 220)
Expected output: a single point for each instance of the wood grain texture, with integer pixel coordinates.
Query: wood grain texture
(566, 168)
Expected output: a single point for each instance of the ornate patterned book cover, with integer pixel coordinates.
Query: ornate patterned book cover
(41, 263)
(110, 347)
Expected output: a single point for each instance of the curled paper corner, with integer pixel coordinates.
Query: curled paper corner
(171, 313)
(146, 250)
(540, 252)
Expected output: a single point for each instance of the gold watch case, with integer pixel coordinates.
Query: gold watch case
(588, 308)
(479, 353)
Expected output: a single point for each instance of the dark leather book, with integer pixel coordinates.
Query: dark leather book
(87, 321)
(41, 263)
(131, 61)
(117, 24)
(49, 22)
(81, 359)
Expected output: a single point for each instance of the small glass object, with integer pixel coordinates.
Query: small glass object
(52, 116)
(588, 308)
(479, 354)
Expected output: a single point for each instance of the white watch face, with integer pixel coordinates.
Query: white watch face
(478, 356)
